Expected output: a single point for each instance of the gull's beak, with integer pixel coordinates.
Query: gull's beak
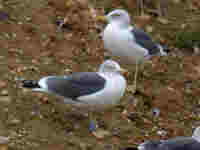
(102, 19)
(123, 71)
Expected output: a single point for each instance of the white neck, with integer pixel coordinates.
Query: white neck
(120, 24)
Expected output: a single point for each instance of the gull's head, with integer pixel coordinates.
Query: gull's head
(196, 134)
(111, 66)
(119, 15)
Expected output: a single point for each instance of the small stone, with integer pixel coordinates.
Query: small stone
(15, 121)
(108, 147)
(67, 70)
(19, 23)
(3, 16)
(5, 99)
(69, 3)
(149, 29)
(162, 132)
(4, 143)
(83, 146)
(183, 26)
(2, 57)
(176, 1)
(24, 90)
(196, 50)
(1, 6)
(4, 140)
(4, 92)
(100, 134)
(163, 21)
(77, 126)
(4, 147)
(28, 19)
(131, 89)
(144, 17)
(3, 84)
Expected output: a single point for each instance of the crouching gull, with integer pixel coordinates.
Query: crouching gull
(94, 89)
(132, 45)
(178, 143)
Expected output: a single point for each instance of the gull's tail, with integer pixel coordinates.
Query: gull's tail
(30, 84)
(163, 49)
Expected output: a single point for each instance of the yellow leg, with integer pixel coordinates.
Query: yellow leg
(135, 79)
(92, 126)
(142, 7)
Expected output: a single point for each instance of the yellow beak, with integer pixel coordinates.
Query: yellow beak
(123, 71)
(102, 19)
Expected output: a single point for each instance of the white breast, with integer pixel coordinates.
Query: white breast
(121, 43)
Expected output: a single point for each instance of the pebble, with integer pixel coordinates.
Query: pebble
(3, 84)
(15, 121)
(149, 29)
(3, 16)
(4, 143)
(4, 140)
(100, 134)
(2, 57)
(196, 50)
(108, 147)
(163, 21)
(5, 99)
(3, 147)
(162, 132)
(83, 146)
(4, 92)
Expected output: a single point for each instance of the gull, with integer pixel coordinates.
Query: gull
(93, 89)
(132, 45)
(178, 143)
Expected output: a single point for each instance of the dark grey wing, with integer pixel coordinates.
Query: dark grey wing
(149, 145)
(75, 85)
(183, 143)
(144, 40)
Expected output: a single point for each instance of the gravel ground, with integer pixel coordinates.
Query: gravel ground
(32, 45)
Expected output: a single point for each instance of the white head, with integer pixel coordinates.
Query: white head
(110, 66)
(196, 134)
(119, 15)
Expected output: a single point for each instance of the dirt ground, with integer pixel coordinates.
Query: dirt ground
(32, 46)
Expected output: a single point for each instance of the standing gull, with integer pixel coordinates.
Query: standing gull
(94, 89)
(178, 143)
(131, 44)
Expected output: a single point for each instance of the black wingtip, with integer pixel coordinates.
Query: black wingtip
(129, 148)
(166, 48)
(30, 84)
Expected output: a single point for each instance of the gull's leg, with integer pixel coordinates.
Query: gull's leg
(159, 9)
(138, 7)
(92, 125)
(135, 77)
(142, 7)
